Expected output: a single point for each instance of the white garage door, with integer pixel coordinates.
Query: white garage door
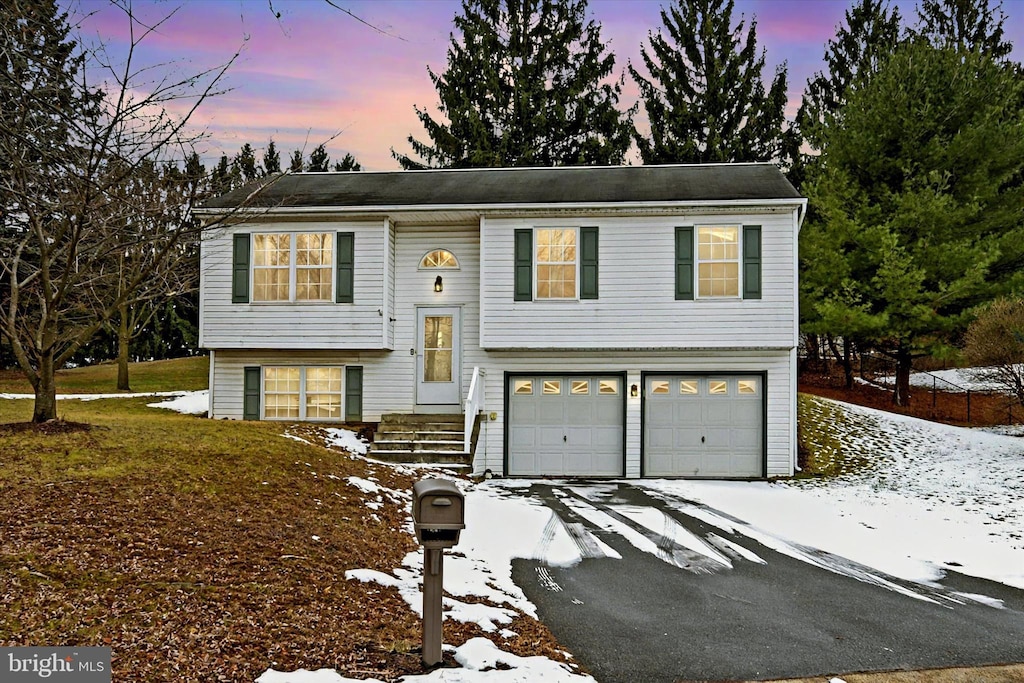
(565, 426)
(704, 426)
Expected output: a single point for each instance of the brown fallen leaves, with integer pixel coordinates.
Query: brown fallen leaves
(191, 582)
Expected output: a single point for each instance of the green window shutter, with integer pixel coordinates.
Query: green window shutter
(751, 261)
(240, 269)
(345, 286)
(353, 393)
(588, 263)
(251, 394)
(523, 265)
(684, 262)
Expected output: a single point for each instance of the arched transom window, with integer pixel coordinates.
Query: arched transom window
(439, 258)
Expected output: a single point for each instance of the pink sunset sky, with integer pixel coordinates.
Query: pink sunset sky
(316, 72)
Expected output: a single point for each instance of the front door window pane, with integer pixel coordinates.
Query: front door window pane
(437, 348)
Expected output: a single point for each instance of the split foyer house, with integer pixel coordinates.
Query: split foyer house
(632, 321)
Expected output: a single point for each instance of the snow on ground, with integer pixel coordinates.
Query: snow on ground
(935, 497)
(930, 498)
(189, 403)
(954, 380)
(97, 397)
(478, 658)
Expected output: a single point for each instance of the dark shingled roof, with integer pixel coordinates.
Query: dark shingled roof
(504, 186)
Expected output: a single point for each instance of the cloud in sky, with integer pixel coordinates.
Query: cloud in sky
(315, 71)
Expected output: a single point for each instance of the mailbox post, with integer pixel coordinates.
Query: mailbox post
(438, 514)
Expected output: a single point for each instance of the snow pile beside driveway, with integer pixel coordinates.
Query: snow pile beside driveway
(933, 498)
(478, 658)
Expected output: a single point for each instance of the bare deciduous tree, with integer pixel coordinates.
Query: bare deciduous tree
(994, 344)
(84, 234)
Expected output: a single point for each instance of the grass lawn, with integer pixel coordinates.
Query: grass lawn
(201, 549)
(186, 374)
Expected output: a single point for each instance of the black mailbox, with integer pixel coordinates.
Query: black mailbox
(438, 513)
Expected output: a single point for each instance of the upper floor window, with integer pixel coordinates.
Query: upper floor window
(439, 258)
(718, 261)
(293, 266)
(556, 263)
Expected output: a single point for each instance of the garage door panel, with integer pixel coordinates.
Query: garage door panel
(550, 437)
(715, 430)
(573, 434)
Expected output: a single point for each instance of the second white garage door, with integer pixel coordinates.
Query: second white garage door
(565, 426)
(704, 426)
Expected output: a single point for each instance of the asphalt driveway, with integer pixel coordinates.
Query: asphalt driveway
(688, 600)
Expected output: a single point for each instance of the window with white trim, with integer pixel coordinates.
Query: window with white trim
(293, 266)
(302, 393)
(718, 261)
(439, 258)
(556, 263)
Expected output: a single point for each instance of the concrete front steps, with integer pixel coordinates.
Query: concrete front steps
(435, 439)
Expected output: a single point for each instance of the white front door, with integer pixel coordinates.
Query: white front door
(438, 356)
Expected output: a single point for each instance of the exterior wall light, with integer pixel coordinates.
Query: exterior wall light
(634, 391)
(438, 285)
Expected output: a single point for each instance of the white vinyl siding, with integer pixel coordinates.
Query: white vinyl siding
(637, 308)
(298, 324)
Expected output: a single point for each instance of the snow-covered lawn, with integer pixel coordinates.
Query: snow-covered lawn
(954, 380)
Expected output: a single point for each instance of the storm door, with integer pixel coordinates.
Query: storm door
(438, 356)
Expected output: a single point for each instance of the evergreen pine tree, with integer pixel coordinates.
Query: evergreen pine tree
(245, 164)
(319, 161)
(296, 164)
(920, 218)
(526, 85)
(347, 163)
(964, 25)
(271, 158)
(869, 36)
(705, 99)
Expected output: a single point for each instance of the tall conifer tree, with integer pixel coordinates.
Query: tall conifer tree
(705, 98)
(918, 203)
(964, 25)
(527, 84)
(868, 37)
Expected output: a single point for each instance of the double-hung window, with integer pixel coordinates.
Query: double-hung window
(302, 393)
(718, 262)
(556, 264)
(292, 266)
